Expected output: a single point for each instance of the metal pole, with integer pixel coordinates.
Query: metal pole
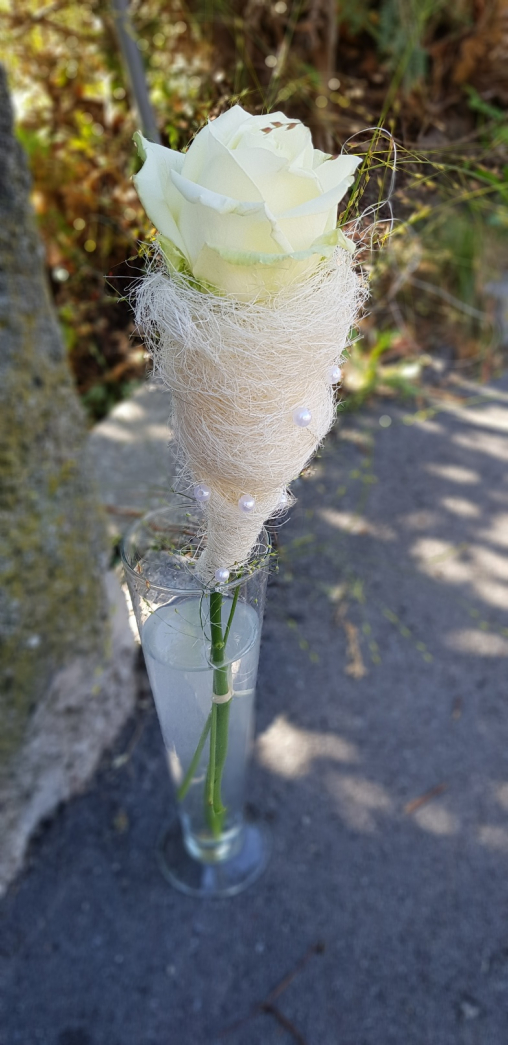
(134, 68)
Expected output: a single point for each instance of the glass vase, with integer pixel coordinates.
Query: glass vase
(201, 648)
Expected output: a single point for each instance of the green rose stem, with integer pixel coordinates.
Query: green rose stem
(217, 722)
(219, 726)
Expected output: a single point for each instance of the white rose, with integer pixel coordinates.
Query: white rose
(250, 207)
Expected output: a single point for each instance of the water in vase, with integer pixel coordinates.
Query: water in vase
(176, 645)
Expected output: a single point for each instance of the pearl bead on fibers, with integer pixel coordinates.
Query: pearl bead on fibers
(246, 503)
(334, 375)
(302, 416)
(222, 575)
(202, 493)
(284, 499)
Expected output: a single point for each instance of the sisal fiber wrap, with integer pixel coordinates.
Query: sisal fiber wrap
(237, 371)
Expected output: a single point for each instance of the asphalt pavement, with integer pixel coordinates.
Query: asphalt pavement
(380, 766)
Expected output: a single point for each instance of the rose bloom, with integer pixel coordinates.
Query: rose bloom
(250, 207)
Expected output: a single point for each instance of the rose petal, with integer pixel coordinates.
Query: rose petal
(304, 230)
(319, 158)
(277, 183)
(194, 160)
(232, 230)
(304, 223)
(219, 130)
(332, 172)
(156, 190)
(324, 246)
(226, 125)
(248, 275)
(252, 280)
(277, 133)
(225, 221)
(222, 171)
(158, 153)
(321, 203)
(259, 160)
(215, 200)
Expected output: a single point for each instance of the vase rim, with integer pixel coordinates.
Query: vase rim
(264, 543)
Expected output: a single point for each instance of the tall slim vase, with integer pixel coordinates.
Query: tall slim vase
(201, 648)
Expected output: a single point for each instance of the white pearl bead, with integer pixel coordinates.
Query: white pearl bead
(222, 575)
(284, 499)
(202, 493)
(246, 502)
(302, 416)
(334, 375)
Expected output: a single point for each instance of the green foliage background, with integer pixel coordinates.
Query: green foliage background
(431, 73)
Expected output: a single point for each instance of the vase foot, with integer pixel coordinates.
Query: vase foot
(226, 878)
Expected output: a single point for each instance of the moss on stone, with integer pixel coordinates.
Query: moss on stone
(52, 543)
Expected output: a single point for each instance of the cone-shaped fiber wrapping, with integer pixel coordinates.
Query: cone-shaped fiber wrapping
(237, 373)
